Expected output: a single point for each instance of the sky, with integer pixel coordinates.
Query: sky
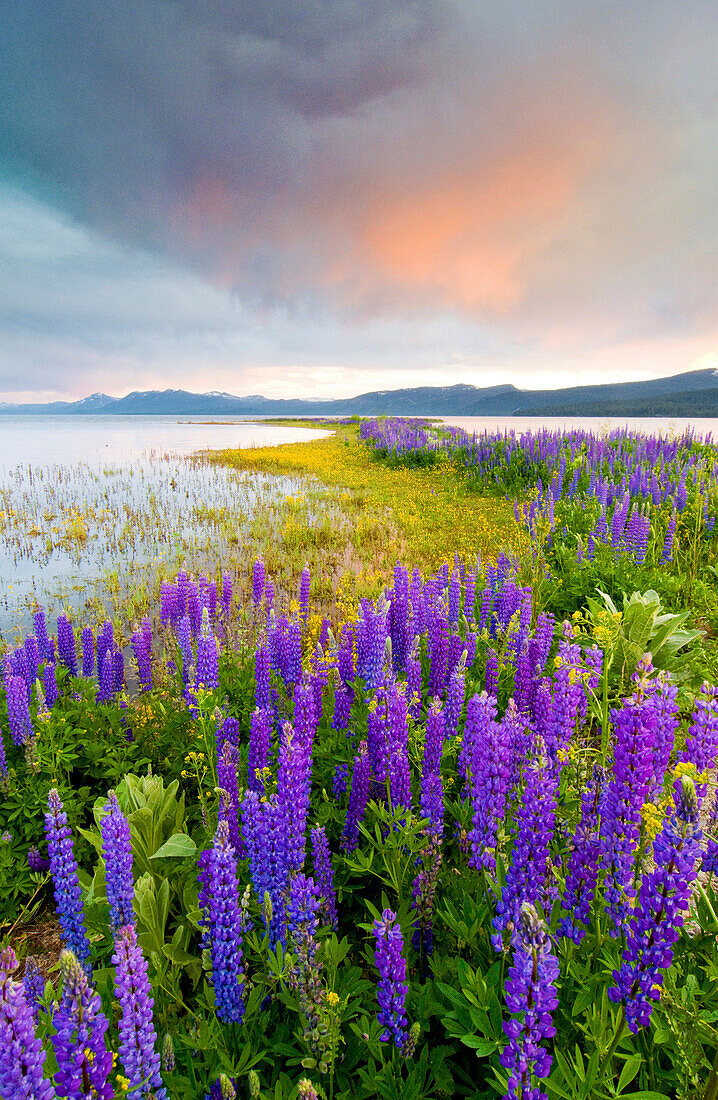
(318, 199)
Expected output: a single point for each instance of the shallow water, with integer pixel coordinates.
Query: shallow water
(44, 440)
(93, 507)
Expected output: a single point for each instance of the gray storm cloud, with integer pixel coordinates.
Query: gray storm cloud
(543, 173)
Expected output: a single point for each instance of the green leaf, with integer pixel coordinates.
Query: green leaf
(629, 1071)
(648, 1095)
(483, 1047)
(178, 846)
(176, 955)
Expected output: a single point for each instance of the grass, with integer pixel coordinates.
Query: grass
(417, 515)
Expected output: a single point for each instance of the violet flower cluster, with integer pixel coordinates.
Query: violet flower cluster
(633, 772)
(63, 866)
(324, 876)
(224, 929)
(392, 989)
(21, 1055)
(83, 1060)
(661, 906)
(117, 853)
(531, 998)
(138, 1040)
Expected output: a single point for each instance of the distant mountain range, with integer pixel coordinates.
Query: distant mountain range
(694, 394)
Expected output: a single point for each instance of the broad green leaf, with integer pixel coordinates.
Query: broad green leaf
(179, 845)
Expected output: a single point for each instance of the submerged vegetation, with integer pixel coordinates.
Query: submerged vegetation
(317, 823)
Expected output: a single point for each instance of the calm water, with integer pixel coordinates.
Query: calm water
(46, 440)
(94, 507)
(664, 425)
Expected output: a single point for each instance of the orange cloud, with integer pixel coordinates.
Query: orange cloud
(468, 236)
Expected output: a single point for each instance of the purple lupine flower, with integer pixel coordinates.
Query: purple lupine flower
(432, 800)
(262, 667)
(423, 892)
(34, 984)
(710, 859)
(662, 903)
(229, 800)
(117, 853)
(21, 1054)
(343, 699)
(413, 681)
(18, 711)
(83, 1060)
(167, 602)
(634, 726)
(392, 989)
(302, 907)
(304, 586)
(437, 640)
(88, 652)
(36, 861)
(569, 700)
(207, 671)
(229, 731)
(371, 639)
(294, 769)
(487, 601)
(292, 653)
(307, 710)
(105, 644)
(399, 617)
(701, 748)
(258, 577)
(397, 748)
(527, 875)
(138, 1039)
(531, 997)
(46, 646)
(118, 671)
(66, 645)
(345, 654)
(492, 673)
(107, 679)
(665, 703)
(583, 863)
(263, 830)
(224, 929)
(184, 641)
(269, 595)
(358, 798)
(455, 697)
(259, 747)
(487, 761)
(470, 596)
(142, 648)
(307, 1090)
(667, 554)
(324, 875)
(63, 866)
(340, 780)
(49, 684)
(454, 598)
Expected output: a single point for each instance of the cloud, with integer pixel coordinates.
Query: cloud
(290, 184)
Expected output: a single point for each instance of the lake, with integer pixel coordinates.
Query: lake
(93, 508)
(45, 440)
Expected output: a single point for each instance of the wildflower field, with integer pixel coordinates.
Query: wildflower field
(410, 794)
